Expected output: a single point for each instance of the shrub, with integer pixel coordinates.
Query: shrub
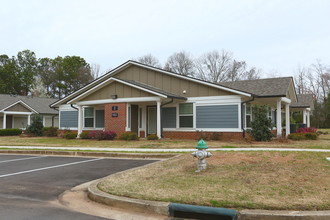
(261, 124)
(152, 137)
(303, 136)
(49, 131)
(129, 136)
(307, 130)
(102, 135)
(36, 126)
(311, 136)
(10, 132)
(297, 136)
(69, 135)
(84, 135)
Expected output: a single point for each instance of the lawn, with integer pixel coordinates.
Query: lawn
(323, 142)
(252, 180)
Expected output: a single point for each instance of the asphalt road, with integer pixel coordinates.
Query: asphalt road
(29, 184)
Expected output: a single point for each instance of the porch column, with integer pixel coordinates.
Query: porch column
(304, 116)
(29, 120)
(80, 120)
(308, 119)
(4, 121)
(287, 119)
(279, 118)
(158, 120)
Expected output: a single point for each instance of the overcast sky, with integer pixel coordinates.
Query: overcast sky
(273, 35)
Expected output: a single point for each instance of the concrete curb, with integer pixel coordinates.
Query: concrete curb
(138, 205)
(162, 208)
(92, 154)
(283, 215)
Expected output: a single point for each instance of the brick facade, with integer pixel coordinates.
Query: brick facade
(116, 124)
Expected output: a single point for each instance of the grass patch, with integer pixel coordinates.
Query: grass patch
(323, 142)
(253, 180)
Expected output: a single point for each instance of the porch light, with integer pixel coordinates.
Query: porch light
(114, 96)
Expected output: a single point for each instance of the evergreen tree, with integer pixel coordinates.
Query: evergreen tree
(261, 124)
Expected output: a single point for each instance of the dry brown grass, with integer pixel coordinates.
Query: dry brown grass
(255, 180)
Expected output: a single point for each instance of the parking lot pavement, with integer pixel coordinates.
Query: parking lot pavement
(30, 182)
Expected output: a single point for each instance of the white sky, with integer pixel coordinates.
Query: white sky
(274, 35)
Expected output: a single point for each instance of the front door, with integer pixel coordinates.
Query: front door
(9, 121)
(134, 118)
(152, 120)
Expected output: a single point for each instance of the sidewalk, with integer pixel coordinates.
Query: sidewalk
(153, 150)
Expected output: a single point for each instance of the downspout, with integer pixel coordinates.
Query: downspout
(161, 106)
(242, 119)
(74, 107)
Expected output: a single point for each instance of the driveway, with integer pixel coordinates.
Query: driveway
(30, 184)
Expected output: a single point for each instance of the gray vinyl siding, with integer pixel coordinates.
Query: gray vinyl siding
(169, 117)
(69, 119)
(217, 116)
(99, 120)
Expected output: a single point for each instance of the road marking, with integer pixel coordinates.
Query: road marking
(26, 158)
(51, 167)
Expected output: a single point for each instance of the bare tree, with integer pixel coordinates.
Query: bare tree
(95, 70)
(149, 60)
(251, 74)
(180, 63)
(300, 79)
(322, 73)
(213, 66)
(236, 71)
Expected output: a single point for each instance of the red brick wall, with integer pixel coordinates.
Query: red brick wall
(116, 124)
(197, 135)
(142, 134)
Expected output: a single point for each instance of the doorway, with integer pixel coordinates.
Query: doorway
(152, 120)
(135, 118)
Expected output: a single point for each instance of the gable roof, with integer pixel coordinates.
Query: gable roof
(270, 87)
(304, 101)
(129, 63)
(39, 105)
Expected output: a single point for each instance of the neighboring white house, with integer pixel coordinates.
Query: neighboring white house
(16, 111)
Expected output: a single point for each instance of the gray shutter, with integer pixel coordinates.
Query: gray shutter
(99, 120)
(69, 119)
(169, 117)
(217, 116)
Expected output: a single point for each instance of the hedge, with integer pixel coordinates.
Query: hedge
(10, 132)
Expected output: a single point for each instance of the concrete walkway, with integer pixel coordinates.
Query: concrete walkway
(156, 150)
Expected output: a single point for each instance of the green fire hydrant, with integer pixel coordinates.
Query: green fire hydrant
(201, 155)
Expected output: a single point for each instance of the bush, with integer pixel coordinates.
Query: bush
(10, 132)
(102, 135)
(307, 130)
(84, 135)
(303, 136)
(69, 135)
(311, 136)
(297, 136)
(129, 136)
(261, 124)
(152, 137)
(49, 131)
(36, 126)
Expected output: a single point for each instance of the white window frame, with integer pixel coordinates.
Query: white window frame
(192, 114)
(246, 114)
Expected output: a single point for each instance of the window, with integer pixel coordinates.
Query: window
(186, 116)
(89, 117)
(248, 115)
(270, 116)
